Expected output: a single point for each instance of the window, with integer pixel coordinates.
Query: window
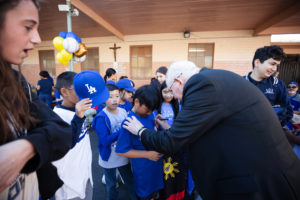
(141, 62)
(92, 60)
(202, 54)
(47, 61)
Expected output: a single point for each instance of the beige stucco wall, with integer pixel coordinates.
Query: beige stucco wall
(233, 51)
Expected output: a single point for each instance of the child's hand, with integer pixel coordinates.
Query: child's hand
(162, 123)
(82, 106)
(153, 155)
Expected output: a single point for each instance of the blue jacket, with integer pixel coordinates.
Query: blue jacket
(101, 124)
(275, 91)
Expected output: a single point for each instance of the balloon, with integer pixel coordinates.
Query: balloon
(63, 34)
(79, 59)
(66, 55)
(82, 50)
(61, 59)
(58, 43)
(71, 35)
(70, 45)
(78, 39)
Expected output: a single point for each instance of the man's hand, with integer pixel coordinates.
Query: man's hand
(153, 155)
(132, 125)
(83, 106)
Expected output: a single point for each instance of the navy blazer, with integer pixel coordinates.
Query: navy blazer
(237, 148)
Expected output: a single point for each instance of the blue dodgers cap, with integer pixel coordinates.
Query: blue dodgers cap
(110, 82)
(125, 84)
(293, 82)
(90, 84)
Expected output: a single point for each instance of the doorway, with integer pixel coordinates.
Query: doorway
(289, 69)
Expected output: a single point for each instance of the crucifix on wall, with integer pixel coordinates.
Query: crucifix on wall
(115, 51)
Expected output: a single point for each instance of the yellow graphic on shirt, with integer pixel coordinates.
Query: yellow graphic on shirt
(169, 168)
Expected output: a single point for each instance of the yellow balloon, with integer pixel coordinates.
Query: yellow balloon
(60, 58)
(58, 43)
(66, 55)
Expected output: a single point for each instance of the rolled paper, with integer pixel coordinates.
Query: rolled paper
(82, 50)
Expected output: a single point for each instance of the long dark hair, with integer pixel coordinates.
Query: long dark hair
(174, 102)
(109, 72)
(14, 105)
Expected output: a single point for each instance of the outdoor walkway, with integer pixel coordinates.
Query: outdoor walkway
(99, 187)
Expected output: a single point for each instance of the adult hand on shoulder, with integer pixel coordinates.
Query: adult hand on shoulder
(132, 125)
(13, 156)
(83, 106)
(154, 156)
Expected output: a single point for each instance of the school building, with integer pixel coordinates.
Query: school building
(150, 34)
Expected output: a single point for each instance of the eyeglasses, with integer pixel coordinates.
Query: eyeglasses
(291, 87)
(174, 82)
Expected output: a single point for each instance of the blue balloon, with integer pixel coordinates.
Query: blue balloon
(72, 35)
(78, 39)
(63, 34)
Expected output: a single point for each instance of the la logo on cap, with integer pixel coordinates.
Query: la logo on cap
(90, 84)
(91, 89)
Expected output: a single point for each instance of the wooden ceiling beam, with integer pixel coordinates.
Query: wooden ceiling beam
(100, 20)
(284, 14)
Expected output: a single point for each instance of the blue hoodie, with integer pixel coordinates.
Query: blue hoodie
(101, 124)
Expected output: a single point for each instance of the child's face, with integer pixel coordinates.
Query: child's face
(69, 96)
(126, 96)
(113, 77)
(292, 89)
(167, 95)
(114, 99)
(141, 109)
(160, 77)
(267, 68)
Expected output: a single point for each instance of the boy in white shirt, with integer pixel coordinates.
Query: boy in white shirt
(75, 167)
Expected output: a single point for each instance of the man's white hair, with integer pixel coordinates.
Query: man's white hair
(180, 69)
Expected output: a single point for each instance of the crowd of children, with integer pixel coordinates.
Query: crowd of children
(146, 174)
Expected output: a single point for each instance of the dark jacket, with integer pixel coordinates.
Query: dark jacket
(51, 138)
(275, 91)
(237, 149)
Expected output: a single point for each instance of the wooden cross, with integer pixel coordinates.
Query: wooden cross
(115, 51)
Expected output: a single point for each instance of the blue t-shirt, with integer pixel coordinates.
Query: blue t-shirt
(127, 106)
(148, 175)
(45, 86)
(167, 112)
(295, 102)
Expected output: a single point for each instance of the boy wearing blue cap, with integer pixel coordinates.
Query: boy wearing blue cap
(107, 124)
(75, 167)
(292, 89)
(265, 63)
(126, 91)
(147, 166)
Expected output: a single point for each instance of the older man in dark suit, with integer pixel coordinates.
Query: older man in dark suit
(237, 149)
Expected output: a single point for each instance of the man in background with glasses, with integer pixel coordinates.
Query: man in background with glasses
(236, 146)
